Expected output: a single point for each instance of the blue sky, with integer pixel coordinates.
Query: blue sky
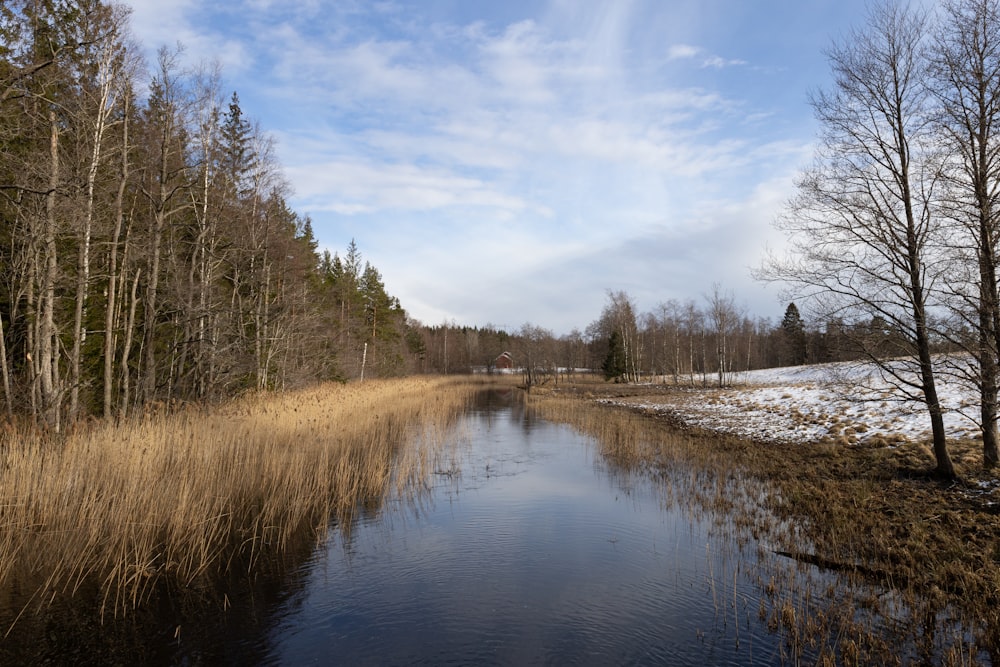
(510, 162)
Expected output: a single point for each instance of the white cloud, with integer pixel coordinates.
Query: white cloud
(490, 155)
(682, 51)
(688, 52)
(351, 187)
(718, 62)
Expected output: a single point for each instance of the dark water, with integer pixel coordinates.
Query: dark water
(527, 548)
(537, 552)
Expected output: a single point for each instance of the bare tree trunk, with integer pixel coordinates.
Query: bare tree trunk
(206, 243)
(83, 262)
(32, 308)
(127, 345)
(149, 307)
(111, 310)
(6, 372)
(691, 359)
(47, 351)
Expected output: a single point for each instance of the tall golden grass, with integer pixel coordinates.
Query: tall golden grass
(628, 437)
(117, 510)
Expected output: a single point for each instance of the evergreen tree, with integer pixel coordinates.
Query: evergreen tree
(237, 152)
(794, 333)
(384, 320)
(615, 364)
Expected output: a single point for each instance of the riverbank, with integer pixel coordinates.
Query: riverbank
(115, 514)
(857, 493)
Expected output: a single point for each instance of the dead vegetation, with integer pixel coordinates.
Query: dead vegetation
(113, 512)
(918, 559)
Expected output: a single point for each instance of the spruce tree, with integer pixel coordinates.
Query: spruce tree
(615, 364)
(794, 331)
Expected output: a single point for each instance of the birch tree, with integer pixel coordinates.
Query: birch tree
(204, 260)
(861, 227)
(966, 81)
(725, 318)
(103, 66)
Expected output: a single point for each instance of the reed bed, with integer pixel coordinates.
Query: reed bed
(695, 473)
(917, 563)
(627, 437)
(113, 512)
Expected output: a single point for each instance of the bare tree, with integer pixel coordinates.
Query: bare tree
(535, 354)
(104, 68)
(966, 82)
(201, 304)
(861, 227)
(165, 181)
(725, 319)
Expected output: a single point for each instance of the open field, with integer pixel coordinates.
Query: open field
(845, 402)
(113, 513)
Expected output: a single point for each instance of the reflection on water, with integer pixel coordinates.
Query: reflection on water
(535, 552)
(527, 548)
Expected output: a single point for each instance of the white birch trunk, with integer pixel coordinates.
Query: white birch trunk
(107, 75)
(47, 329)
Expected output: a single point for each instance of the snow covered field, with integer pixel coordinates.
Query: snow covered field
(841, 402)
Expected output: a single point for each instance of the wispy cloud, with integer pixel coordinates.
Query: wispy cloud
(718, 62)
(494, 151)
(682, 52)
(352, 187)
(688, 52)
(494, 119)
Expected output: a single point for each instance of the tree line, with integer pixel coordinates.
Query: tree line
(148, 253)
(704, 342)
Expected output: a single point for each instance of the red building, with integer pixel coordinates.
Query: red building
(504, 361)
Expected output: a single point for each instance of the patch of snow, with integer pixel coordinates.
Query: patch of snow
(851, 403)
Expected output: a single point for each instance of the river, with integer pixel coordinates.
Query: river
(525, 546)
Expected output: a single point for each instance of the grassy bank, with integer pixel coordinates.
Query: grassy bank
(114, 511)
(919, 561)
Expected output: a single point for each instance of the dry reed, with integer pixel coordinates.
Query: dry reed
(918, 562)
(116, 511)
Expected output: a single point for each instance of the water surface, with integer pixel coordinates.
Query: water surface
(525, 547)
(529, 549)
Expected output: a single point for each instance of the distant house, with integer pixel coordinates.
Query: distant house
(504, 362)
